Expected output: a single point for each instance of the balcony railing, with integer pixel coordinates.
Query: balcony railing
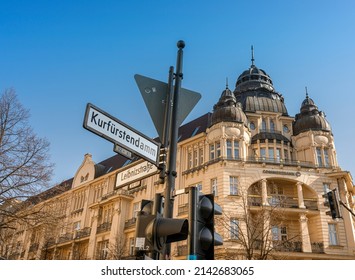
(317, 247)
(103, 227)
(65, 238)
(85, 232)
(278, 161)
(281, 246)
(287, 246)
(130, 223)
(50, 242)
(283, 201)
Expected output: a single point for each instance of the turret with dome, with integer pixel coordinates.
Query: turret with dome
(255, 91)
(227, 109)
(310, 118)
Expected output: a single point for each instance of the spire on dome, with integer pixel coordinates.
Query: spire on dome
(252, 55)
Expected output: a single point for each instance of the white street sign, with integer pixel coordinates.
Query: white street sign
(112, 129)
(135, 173)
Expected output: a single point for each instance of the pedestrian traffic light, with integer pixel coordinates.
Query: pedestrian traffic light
(153, 231)
(333, 204)
(202, 238)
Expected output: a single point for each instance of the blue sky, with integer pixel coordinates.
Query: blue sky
(60, 55)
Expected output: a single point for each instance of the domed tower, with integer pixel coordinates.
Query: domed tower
(228, 110)
(255, 91)
(313, 137)
(228, 135)
(269, 122)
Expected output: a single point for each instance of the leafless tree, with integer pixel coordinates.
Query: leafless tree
(253, 228)
(25, 169)
(117, 249)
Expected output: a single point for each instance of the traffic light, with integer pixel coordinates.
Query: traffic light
(333, 204)
(162, 163)
(161, 231)
(144, 217)
(153, 231)
(202, 238)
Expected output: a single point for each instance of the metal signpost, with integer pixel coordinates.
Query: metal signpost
(168, 105)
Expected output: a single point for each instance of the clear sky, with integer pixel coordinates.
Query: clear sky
(59, 55)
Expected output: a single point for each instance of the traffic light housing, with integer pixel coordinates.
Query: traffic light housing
(153, 231)
(202, 238)
(333, 202)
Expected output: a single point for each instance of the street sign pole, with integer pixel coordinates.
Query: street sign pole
(171, 173)
(167, 120)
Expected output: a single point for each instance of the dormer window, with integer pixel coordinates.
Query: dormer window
(84, 178)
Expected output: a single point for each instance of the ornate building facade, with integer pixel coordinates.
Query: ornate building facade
(268, 170)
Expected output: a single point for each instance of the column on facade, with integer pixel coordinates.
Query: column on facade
(282, 152)
(264, 201)
(92, 239)
(314, 153)
(258, 149)
(300, 195)
(305, 238)
(223, 143)
(267, 156)
(116, 230)
(242, 148)
(289, 151)
(347, 217)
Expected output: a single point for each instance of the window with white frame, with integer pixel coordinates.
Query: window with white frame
(107, 212)
(333, 235)
(233, 185)
(234, 228)
(262, 153)
(236, 149)
(229, 149)
(214, 188)
(319, 156)
(279, 233)
(232, 149)
(102, 250)
(271, 153)
(131, 246)
(212, 152)
(218, 149)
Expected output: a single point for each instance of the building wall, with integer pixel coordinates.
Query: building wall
(96, 219)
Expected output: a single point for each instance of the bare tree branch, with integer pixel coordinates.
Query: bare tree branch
(25, 169)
